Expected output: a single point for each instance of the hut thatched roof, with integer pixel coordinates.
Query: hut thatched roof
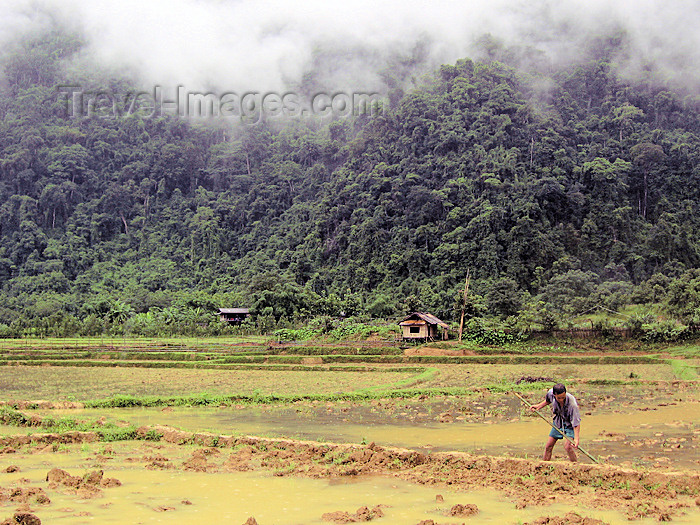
(234, 311)
(417, 316)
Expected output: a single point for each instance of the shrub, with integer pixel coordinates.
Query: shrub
(476, 331)
(118, 434)
(664, 331)
(7, 332)
(294, 334)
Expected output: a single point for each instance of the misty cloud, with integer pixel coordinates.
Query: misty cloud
(270, 45)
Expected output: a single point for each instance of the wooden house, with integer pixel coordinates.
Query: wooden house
(422, 326)
(233, 315)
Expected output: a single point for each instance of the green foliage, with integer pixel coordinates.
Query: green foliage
(106, 431)
(684, 370)
(665, 331)
(571, 292)
(118, 434)
(12, 417)
(652, 290)
(683, 297)
(335, 330)
(504, 387)
(476, 331)
(122, 401)
(556, 202)
(152, 435)
(353, 331)
(289, 334)
(504, 297)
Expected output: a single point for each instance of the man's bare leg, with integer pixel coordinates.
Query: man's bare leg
(548, 448)
(571, 451)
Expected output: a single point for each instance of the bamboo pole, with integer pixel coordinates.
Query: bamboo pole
(555, 428)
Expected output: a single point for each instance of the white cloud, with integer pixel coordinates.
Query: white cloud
(267, 44)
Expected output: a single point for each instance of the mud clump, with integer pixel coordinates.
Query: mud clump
(446, 417)
(22, 518)
(530, 379)
(463, 511)
(528, 482)
(25, 496)
(87, 487)
(612, 436)
(432, 522)
(199, 461)
(157, 462)
(362, 514)
(570, 518)
(57, 477)
(10, 443)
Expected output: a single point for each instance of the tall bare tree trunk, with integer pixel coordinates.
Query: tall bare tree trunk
(464, 306)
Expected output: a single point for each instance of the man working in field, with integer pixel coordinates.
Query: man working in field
(566, 418)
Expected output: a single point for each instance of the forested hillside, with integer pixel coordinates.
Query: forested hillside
(559, 189)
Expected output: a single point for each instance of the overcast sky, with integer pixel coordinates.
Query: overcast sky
(270, 44)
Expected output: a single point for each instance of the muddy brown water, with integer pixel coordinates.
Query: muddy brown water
(641, 429)
(179, 497)
(665, 433)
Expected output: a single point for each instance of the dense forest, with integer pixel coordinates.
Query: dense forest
(560, 189)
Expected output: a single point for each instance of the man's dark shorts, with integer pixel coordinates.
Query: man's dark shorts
(556, 435)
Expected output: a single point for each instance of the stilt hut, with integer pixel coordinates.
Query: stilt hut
(233, 315)
(421, 326)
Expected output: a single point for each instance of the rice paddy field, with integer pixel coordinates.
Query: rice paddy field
(393, 434)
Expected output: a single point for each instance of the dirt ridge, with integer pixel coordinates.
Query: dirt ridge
(639, 493)
(527, 481)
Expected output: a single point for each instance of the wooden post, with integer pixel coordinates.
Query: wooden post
(464, 305)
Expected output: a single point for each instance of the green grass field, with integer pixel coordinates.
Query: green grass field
(94, 369)
(82, 343)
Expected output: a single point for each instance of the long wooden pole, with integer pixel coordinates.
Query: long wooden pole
(554, 427)
(464, 306)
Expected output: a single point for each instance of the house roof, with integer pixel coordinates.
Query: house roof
(428, 318)
(234, 311)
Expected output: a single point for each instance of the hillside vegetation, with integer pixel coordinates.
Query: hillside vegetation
(561, 190)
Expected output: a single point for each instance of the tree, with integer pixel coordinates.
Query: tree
(648, 158)
(412, 304)
(625, 116)
(476, 167)
(68, 163)
(608, 180)
(504, 297)
(683, 299)
(571, 292)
